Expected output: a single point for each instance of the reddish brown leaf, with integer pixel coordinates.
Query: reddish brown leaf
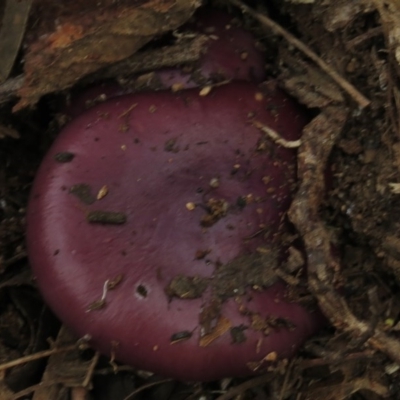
(84, 42)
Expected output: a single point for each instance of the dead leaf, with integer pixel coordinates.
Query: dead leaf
(85, 42)
(223, 326)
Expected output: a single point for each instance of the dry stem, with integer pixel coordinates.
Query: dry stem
(276, 137)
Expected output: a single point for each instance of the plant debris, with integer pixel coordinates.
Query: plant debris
(82, 191)
(341, 59)
(216, 209)
(64, 157)
(106, 217)
(186, 287)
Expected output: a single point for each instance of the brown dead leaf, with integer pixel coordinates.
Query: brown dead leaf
(82, 43)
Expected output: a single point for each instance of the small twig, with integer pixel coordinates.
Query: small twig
(278, 30)
(36, 356)
(377, 311)
(145, 387)
(90, 370)
(15, 258)
(250, 384)
(371, 33)
(285, 383)
(33, 388)
(99, 304)
(276, 137)
(318, 362)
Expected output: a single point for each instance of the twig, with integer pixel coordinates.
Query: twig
(90, 370)
(318, 362)
(33, 388)
(15, 258)
(371, 33)
(278, 30)
(276, 137)
(285, 382)
(36, 356)
(183, 52)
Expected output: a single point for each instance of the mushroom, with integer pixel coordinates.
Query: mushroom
(231, 53)
(155, 224)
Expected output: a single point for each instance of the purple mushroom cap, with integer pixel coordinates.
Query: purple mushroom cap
(232, 53)
(155, 221)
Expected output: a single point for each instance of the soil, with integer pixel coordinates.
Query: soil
(351, 230)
